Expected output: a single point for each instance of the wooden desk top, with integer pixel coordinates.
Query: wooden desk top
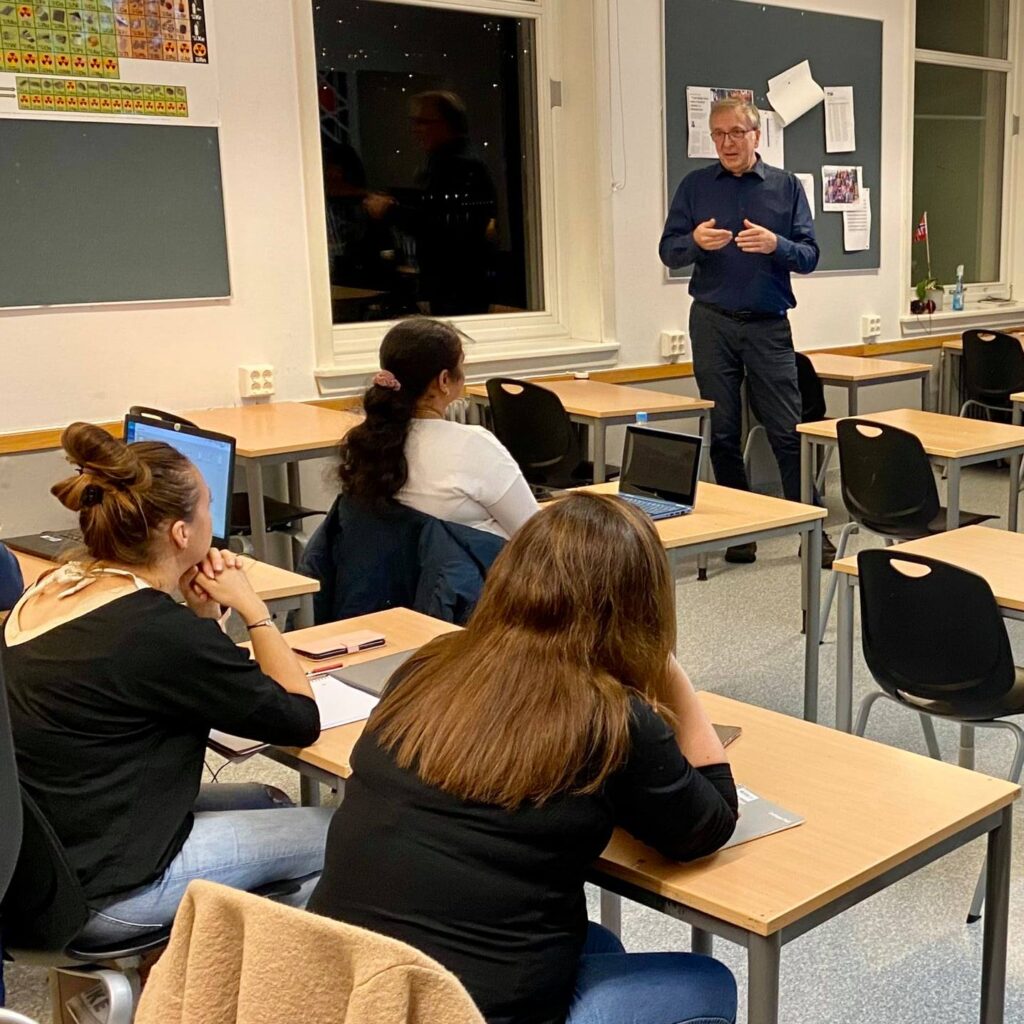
(723, 512)
(598, 400)
(946, 436)
(995, 555)
(869, 808)
(1018, 397)
(277, 428)
(404, 629)
(957, 344)
(269, 581)
(850, 369)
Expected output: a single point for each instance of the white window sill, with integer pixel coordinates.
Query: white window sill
(513, 358)
(981, 314)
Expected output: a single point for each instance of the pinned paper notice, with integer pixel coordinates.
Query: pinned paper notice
(840, 124)
(857, 224)
(807, 180)
(699, 144)
(794, 92)
(772, 148)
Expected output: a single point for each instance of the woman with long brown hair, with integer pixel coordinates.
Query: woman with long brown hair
(500, 759)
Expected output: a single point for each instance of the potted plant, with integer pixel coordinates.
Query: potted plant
(929, 296)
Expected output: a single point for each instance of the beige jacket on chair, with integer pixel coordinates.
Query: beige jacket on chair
(235, 958)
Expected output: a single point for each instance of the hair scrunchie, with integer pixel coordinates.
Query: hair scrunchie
(92, 495)
(386, 379)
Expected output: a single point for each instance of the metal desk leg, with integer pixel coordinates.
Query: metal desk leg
(705, 474)
(294, 498)
(1011, 515)
(611, 912)
(304, 616)
(600, 469)
(851, 398)
(309, 791)
(952, 494)
(257, 519)
(924, 392)
(763, 955)
(811, 559)
(997, 903)
(806, 470)
(702, 942)
(844, 654)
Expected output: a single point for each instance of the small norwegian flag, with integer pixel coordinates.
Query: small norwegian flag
(921, 231)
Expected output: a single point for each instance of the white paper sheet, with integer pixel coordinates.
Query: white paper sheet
(840, 123)
(794, 92)
(807, 180)
(857, 224)
(698, 109)
(340, 703)
(772, 147)
(840, 187)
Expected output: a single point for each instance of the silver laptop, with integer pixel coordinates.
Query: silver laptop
(660, 471)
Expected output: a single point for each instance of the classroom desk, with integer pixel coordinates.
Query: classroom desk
(952, 352)
(995, 555)
(271, 435)
(856, 372)
(724, 516)
(282, 590)
(862, 834)
(329, 759)
(597, 406)
(950, 441)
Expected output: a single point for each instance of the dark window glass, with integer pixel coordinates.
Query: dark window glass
(976, 27)
(428, 124)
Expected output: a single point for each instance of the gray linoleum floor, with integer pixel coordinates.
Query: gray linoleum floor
(906, 955)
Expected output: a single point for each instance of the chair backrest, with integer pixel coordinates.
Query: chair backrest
(993, 366)
(44, 907)
(932, 630)
(531, 422)
(159, 415)
(812, 391)
(887, 480)
(10, 795)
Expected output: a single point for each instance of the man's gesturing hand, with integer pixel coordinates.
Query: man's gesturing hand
(756, 239)
(710, 238)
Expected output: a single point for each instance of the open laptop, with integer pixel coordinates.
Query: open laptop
(659, 471)
(213, 454)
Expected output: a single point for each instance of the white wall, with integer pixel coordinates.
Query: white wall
(92, 363)
(829, 305)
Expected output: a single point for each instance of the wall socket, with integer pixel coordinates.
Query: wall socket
(870, 326)
(256, 380)
(675, 344)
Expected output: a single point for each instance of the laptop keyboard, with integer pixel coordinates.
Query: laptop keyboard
(658, 509)
(62, 535)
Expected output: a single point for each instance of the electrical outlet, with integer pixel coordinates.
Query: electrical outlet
(257, 380)
(675, 344)
(870, 326)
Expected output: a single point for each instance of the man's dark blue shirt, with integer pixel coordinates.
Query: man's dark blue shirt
(730, 278)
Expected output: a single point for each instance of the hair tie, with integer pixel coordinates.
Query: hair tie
(386, 379)
(92, 495)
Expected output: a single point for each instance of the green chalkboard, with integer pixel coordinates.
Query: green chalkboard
(101, 212)
(738, 45)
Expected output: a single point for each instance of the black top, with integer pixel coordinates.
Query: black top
(110, 714)
(497, 896)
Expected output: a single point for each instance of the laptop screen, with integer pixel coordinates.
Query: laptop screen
(212, 454)
(660, 464)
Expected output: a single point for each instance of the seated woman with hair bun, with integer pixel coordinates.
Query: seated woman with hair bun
(405, 448)
(114, 686)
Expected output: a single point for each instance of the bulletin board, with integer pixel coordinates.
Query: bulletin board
(739, 45)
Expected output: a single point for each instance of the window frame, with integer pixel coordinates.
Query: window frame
(1010, 66)
(347, 352)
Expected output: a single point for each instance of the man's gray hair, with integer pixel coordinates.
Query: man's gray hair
(734, 104)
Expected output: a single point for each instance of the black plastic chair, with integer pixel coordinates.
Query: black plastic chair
(531, 422)
(993, 369)
(888, 488)
(935, 642)
(280, 516)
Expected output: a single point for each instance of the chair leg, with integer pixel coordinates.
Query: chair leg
(865, 710)
(830, 594)
(823, 469)
(930, 740)
(965, 753)
(122, 989)
(750, 440)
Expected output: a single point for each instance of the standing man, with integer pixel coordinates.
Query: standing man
(745, 227)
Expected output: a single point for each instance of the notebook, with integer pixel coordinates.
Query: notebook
(659, 471)
(759, 817)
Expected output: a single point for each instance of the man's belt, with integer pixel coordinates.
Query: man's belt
(743, 316)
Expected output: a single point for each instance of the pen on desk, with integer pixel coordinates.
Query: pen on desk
(324, 670)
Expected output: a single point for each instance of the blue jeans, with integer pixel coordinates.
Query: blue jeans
(616, 987)
(725, 352)
(234, 841)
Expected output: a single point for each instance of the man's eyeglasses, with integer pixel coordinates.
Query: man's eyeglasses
(736, 134)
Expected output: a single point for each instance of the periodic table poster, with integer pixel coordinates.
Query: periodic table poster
(124, 60)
